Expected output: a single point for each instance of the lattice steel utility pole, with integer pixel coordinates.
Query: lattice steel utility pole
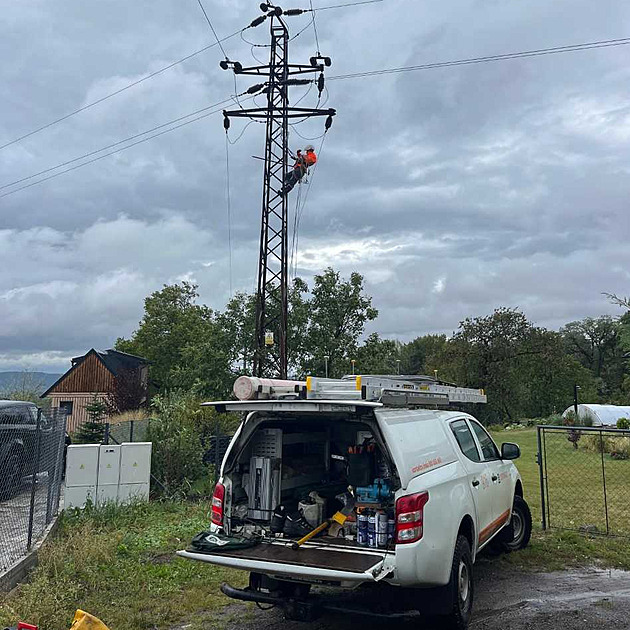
(272, 295)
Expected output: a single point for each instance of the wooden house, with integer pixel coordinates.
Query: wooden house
(94, 373)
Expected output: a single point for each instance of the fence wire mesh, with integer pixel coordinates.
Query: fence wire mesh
(32, 453)
(127, 431)
(585, 479)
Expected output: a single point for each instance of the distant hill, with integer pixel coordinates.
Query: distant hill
(39, 381)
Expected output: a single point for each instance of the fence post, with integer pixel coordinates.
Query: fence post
(34, 480)
(539, 459)
(601, 448)
(106, 436)
(131, 431)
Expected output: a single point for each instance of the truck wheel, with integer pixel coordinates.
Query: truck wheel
(460, 589)
(13, 465)
(521, 525)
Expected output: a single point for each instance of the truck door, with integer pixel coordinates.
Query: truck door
(500, 478)
(479, 477)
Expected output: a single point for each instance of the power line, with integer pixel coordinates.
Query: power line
(212, 29)
(349, 4)
(156, 73)
(114, 144)
(116, 92)
(502, 57)
(229, 205)
(300, 211)
(100, 157)
(315, 28)
(402, 69)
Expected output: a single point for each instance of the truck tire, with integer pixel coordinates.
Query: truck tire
(521, 526)
(459, 591)
(13, 467)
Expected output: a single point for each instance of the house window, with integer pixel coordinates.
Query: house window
(66, 405)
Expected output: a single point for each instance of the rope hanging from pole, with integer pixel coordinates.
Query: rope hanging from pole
(229, 204)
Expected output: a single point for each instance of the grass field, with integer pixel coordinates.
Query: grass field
(576, 494)
(119, 564)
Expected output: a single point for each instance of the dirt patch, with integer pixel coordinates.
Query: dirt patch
(505, 597)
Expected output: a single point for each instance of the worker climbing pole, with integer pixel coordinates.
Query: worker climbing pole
(272, 294)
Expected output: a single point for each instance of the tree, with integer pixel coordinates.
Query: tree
(592, 341)
(237, 325)
(421, 355)
(93, 430)
(128, 393)
(378, 356)
(338, 311)
(523, 368)
(173, 333)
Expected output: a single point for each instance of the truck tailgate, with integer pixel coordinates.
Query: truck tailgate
(318, 561)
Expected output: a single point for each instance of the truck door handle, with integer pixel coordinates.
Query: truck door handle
(494, 477)
(475, 483)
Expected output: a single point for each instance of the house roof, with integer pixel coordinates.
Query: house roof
(117, 362)
(114, 361)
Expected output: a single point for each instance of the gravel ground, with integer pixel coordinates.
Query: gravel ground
(505, 597)
(14, 519)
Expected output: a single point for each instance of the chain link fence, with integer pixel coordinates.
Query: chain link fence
(585, 479)
(128, 431)
(32, 463)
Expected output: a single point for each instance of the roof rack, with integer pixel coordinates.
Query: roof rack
(391, 390)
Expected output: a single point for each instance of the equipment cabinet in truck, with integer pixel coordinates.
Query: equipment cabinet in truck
(402, 488)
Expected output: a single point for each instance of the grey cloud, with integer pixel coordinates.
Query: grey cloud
(454, 190)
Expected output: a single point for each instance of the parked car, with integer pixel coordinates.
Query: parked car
(435, 477)
(18, 444)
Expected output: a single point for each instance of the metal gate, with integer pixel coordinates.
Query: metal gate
(585, 479)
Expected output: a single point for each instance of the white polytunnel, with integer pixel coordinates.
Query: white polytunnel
(600, 415)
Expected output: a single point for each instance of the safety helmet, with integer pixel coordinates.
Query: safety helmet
(309, 147)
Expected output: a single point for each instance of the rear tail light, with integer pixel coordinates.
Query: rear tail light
(217, 504)
(410, 517)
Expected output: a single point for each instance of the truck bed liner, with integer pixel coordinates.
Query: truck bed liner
(311, 556)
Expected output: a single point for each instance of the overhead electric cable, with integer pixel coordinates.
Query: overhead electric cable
(301, 211)
(502, 57)
(212, 29)
(156, 73)
(129, 146)
(315, 29)
(116, 92)
(349, 4)
(114, 144)
(229, 205)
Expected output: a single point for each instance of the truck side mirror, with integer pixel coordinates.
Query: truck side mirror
(510, 451)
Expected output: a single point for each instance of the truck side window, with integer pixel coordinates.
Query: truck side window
(488, 447)
(465, 440)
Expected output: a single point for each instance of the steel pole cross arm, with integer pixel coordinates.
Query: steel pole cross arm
(292, 68)
(291, 112)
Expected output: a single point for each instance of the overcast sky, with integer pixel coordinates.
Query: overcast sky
(453, 191)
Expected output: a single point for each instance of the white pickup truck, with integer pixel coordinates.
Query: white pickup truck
(440, 481)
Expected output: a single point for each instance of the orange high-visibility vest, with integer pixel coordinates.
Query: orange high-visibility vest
(310, 158)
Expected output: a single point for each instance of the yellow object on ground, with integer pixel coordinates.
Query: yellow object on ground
(85, 621)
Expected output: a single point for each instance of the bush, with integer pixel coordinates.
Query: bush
(176, 433)
(596, 443)
(619, 447)
(623, 423)
(494, 428)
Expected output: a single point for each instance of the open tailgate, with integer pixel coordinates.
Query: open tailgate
(314, 561)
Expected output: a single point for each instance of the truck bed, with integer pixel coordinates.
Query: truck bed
(337, 555)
